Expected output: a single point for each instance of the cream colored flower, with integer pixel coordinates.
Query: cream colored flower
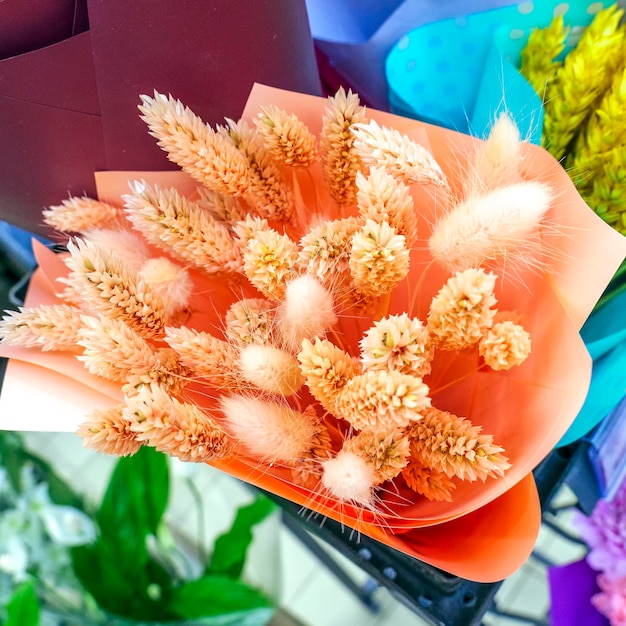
(47, 327)
(270, 369)
(176, 428)
(222, 206)
(327, 370)
(402, 157)
(109, 432)
(268, 192)
(200, 151)
(269, 261)
(453, 445)
(77, 215)
(387, 452)
(180, 226)
(286, 137)
(461, 313)
(379, 259)
(250, 321)
(504, 346)
(101, 280)
(325, 249)
(382, 198)
(340, 161)
(430, 483)
(398, 343)
(382, 400)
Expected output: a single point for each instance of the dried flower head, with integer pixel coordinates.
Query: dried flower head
(250, 321)
(77, 215)
(270, 369)
(170, 282)
(204, 154)
(461, 313)
(286, 137)
(49, 327)
(379, 258)
(451, 444)
(270, 431)
(222, 206)
(340, 161)
(349, 478)
(109, 432)
(430, 483)
(399, 343)
(505, 345)
(128, 245)
(176, 428)
(494, 227)
(325, 249)
(327, 369)
(387, 452)
(180, 226)
(401, 157)
(268, 192)
(269, 261)
(383, 198)
(308, 471)
(106, 285)
(382, 400)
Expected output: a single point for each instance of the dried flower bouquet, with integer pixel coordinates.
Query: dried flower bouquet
(370, 316)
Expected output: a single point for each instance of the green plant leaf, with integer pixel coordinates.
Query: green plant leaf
(229, 552)
(215, 595)
(23, 607)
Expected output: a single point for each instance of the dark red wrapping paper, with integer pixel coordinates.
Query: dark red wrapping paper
(70, 108)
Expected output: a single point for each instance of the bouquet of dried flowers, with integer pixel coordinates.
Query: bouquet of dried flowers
(371, 316)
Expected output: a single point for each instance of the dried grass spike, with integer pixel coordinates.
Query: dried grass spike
(428, 482)
(270, 369)
(77, 215)
(349, 478)
(250, 321)
(109, 432)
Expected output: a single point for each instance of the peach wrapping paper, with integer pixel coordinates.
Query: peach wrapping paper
(492, 526)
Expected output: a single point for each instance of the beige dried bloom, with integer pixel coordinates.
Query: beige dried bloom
(401, 157)
(102, 281)
(382, 400)
(379, 259)
(383, 198)
(453, 445)
(268, 192)
(505, 345)
(222, 206)
(269, 261)
(109, 432)
(195, 147)
(327, 369)
(340, 161)
(206, 356)
(399, 343)
(114, 351)
(325, 249)
(176, 428)
(77, 215)
(461, 313)
(170, 282)
(286, 137)
(250, 321)
(387, 452)
(307, 472)
(270, 369)
(247, 228)
(47, 327)
(430, 483)
(179, 226)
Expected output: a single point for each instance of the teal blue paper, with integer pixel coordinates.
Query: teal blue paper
(461, 72)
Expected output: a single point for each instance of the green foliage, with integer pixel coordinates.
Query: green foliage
(23, 607)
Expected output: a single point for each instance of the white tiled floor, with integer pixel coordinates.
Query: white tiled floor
(305, 588)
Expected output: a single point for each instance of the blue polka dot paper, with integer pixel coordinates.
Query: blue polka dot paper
(462, 72)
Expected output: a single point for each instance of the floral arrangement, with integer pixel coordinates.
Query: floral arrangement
(605, 533)
(355, 310)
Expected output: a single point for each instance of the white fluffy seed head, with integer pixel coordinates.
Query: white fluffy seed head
(349, 478)
(270, 369)
(306, 312)
(491, 227)
(170, 281)
(270, 431)
(124, 243)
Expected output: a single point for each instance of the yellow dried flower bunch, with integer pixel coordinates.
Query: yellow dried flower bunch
(304, 363)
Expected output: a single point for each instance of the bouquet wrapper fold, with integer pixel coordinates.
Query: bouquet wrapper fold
(70, 83)
(492, 525)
